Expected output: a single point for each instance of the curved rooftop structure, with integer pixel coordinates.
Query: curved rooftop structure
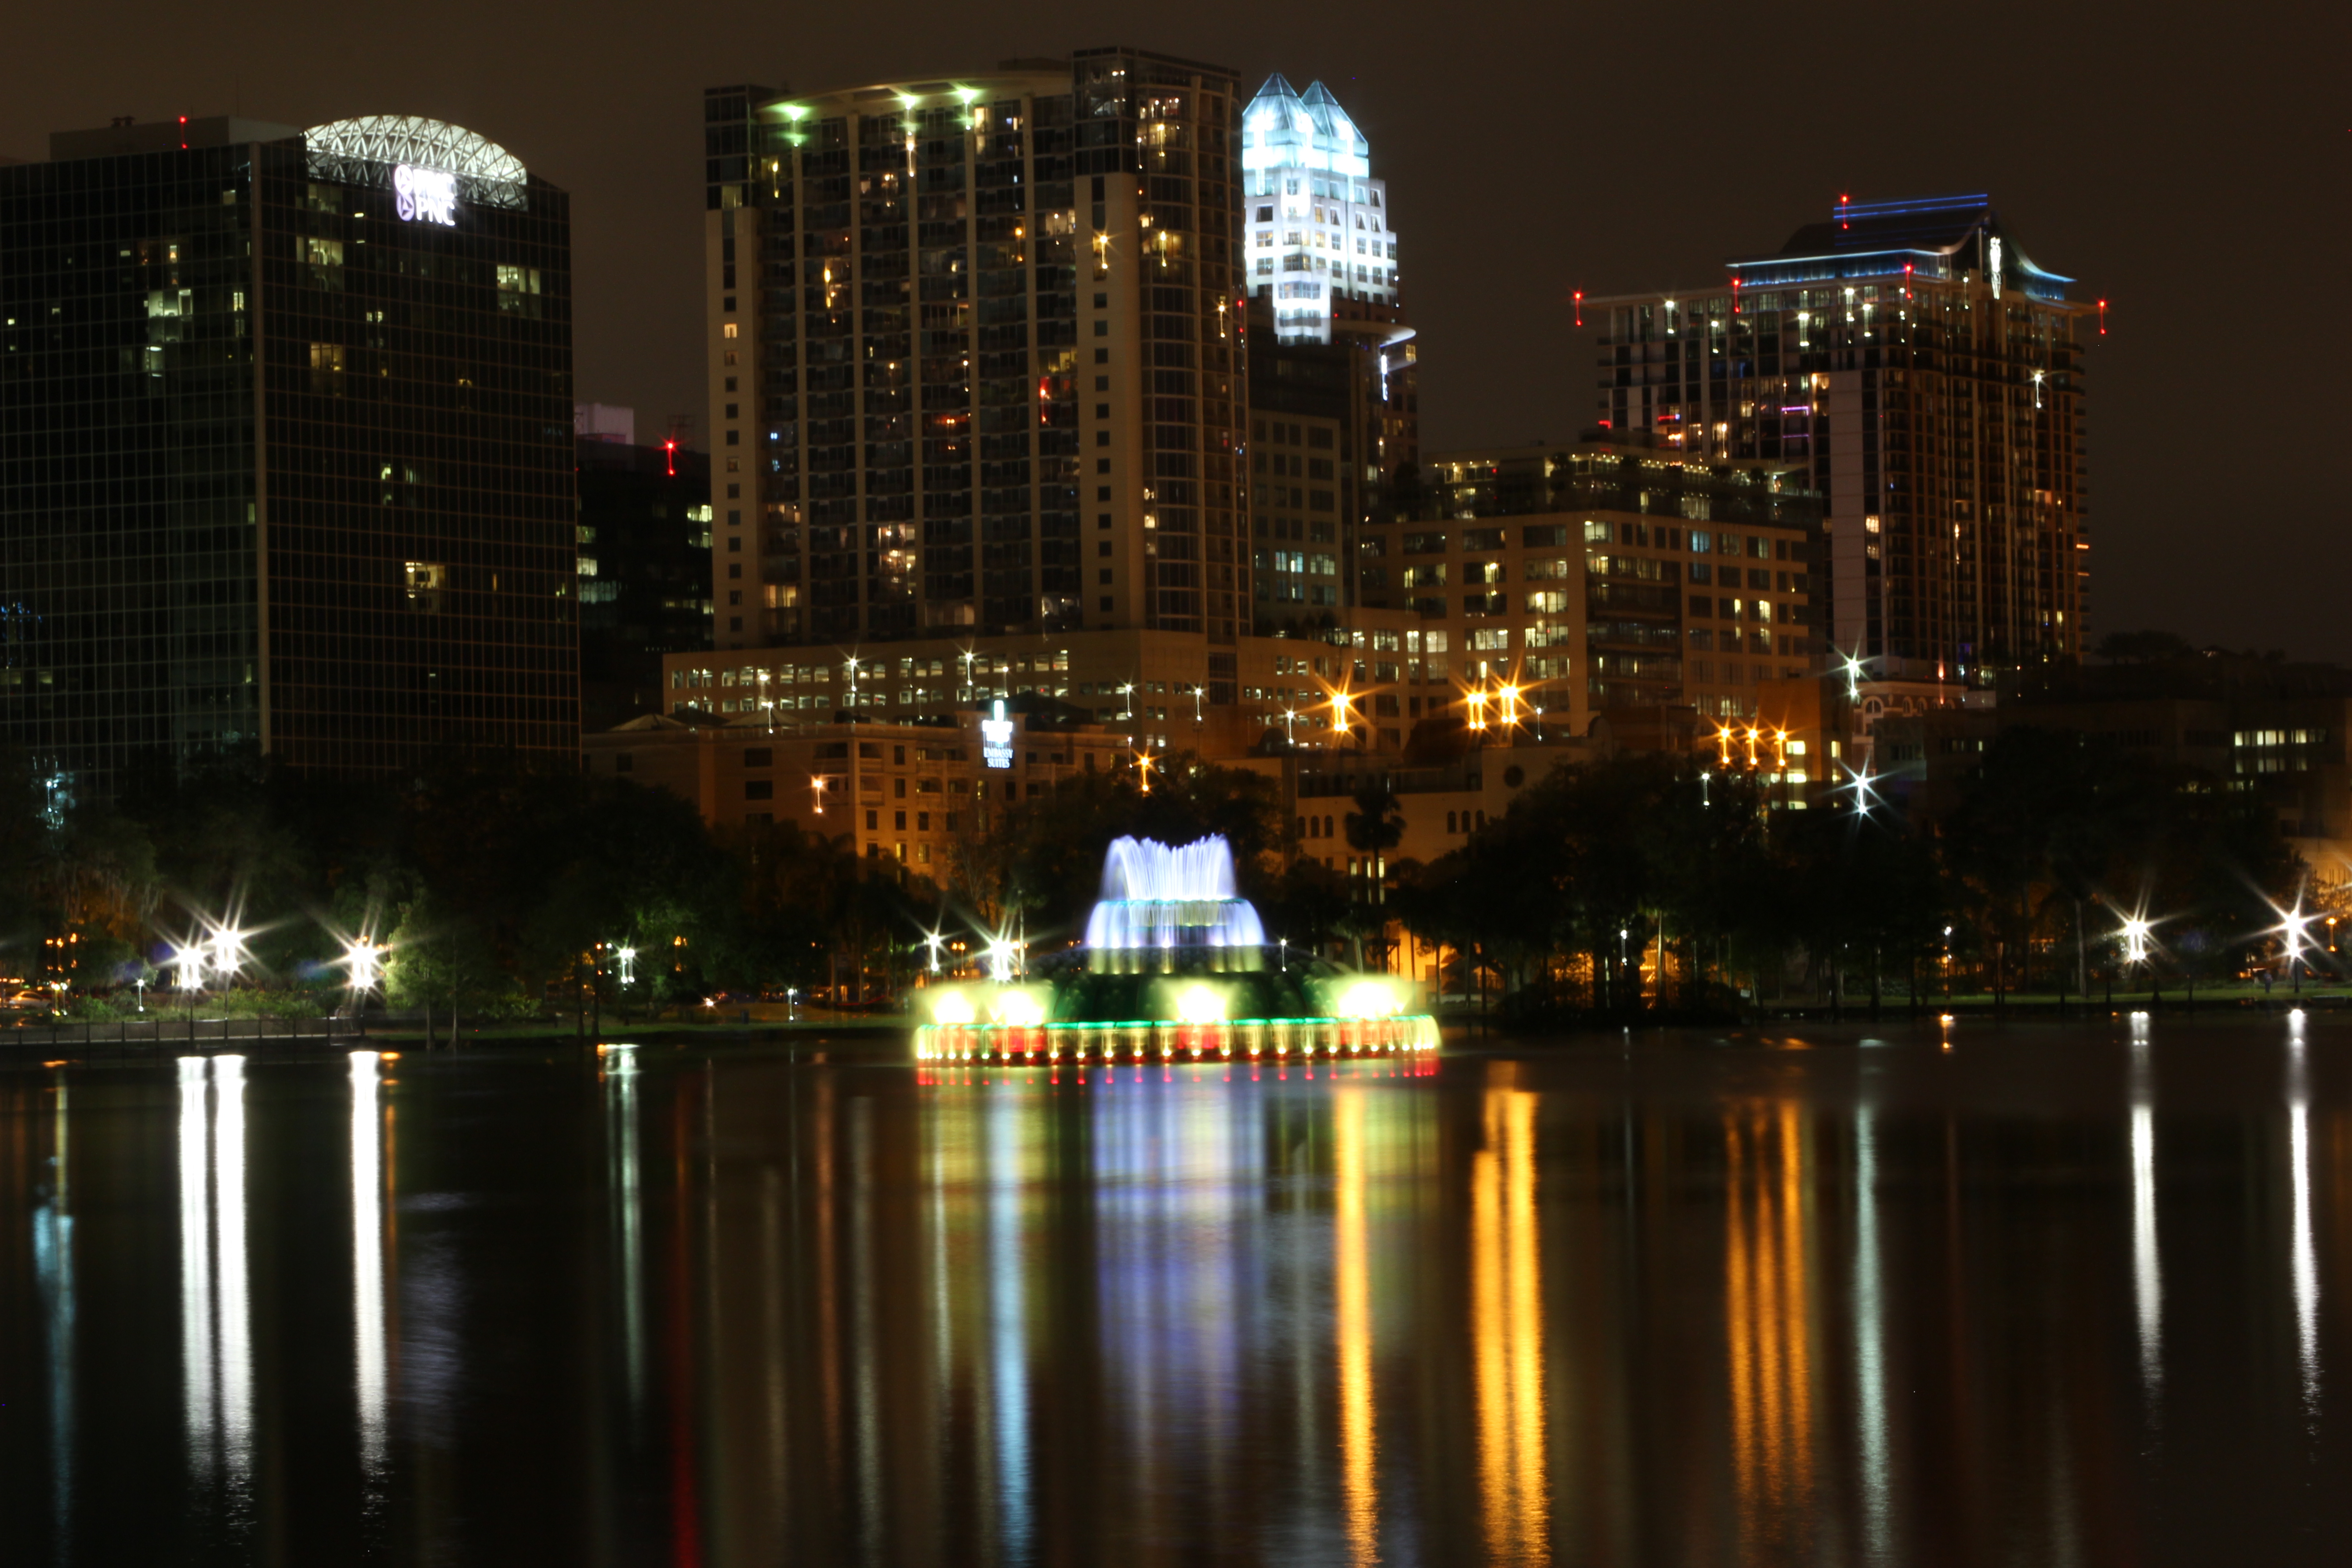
(346, 151)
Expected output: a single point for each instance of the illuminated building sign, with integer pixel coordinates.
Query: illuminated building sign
(996, 739)
(425, 195)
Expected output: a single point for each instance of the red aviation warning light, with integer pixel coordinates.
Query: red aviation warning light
(669, 455)
(1579, 296)
(1906, 280)
(1734, 296)
(1842, 221)
(2103, 317)
(183, 134)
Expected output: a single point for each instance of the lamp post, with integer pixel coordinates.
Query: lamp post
(361, 959)
(2135, 940)
(190, 961)
(2293, 924)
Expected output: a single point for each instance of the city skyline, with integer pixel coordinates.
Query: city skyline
(2089, 185)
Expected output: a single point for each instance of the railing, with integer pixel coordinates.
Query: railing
(160, 1031)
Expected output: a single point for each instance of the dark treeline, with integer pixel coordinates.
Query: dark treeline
(506, 889)
(1564, 903)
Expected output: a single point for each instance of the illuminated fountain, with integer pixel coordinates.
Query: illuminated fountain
(1175, 966)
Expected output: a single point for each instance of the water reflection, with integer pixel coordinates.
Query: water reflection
(1769, 1320)
(1507, 1325)
(1676, 1302)
(1352, 1321)
(2147, 1268)
(53, 1267)
(618, 1073)
(2304, 1257)
(1870, 1342)
(367, 1261)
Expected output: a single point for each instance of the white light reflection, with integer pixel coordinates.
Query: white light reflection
(621, 1140)
(228, 1223)
(215, 1317)
(1008, 1382)
(195, 1271)
(2305, 1258)
(367, 1260)
(1870, 1342)
(2147, 1268)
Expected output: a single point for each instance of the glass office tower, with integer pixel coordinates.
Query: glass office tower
(286, 459)
(976, 356)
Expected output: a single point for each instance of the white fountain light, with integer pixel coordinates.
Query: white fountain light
(1200, 1005)
(1160, 896)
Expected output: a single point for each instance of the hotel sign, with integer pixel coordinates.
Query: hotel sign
(425, 195)
(996, 739)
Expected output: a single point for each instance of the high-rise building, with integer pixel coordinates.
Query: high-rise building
(1319, 224)
(644, 564)
(285, 448)
(976, 363)
(1334, 369)
(1932, 378)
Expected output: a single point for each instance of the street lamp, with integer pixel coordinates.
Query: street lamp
(1143, 766)
(190, 962)
(2293, 923)
(228, 952)
(816, 792)
(628, 957)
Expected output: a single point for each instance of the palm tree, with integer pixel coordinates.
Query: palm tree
(1373, 828)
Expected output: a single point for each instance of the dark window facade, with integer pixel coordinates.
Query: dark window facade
(280, 472)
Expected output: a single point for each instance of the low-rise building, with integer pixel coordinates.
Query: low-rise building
(903, 792)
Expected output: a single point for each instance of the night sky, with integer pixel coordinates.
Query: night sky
(2187, 163)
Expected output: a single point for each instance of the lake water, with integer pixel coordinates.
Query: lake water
(2043, 1295)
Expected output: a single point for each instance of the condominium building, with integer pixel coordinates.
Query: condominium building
(285, 456)
(1931, 378)
(1616, 573)
(976, 361)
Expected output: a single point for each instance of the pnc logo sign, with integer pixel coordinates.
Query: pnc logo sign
(425, 195)
(996, 739)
